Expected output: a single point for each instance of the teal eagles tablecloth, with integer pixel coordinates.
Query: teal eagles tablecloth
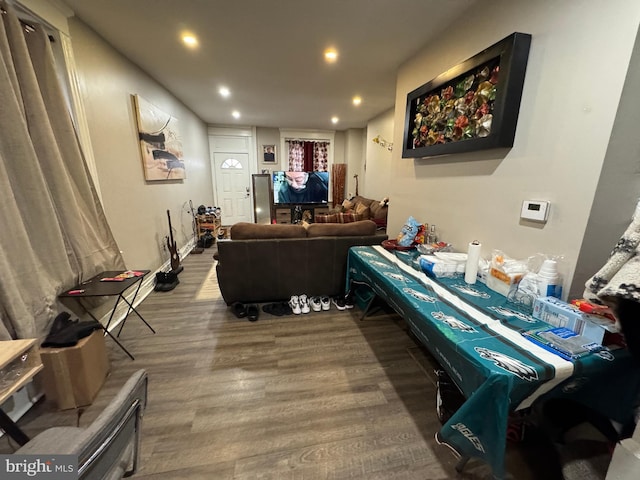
(475, 334)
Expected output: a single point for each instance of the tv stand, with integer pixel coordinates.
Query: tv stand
(286, 214)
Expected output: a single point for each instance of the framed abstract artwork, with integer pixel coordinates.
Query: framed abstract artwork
(472, 106)
(160, 142)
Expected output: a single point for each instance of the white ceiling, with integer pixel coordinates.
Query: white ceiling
(269, 53)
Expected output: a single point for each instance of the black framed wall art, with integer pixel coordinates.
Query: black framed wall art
(472, 106)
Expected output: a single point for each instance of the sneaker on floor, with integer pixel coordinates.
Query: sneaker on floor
(294, 303)
(325, 302)
(339, 303)
(348, 300)
(304, 303)
(316, 305)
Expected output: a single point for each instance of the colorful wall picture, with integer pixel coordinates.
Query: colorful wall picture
(160, 142)
(472, 106)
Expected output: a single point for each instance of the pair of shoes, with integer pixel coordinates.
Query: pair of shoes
(320, 303)
(278, 309)
(344, 302)
(239, 309)
(299, 304)
(253, 312)
(339, 303)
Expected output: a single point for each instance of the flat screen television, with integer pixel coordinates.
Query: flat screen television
(292, 188)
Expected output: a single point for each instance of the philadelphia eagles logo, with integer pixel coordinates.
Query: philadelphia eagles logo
(453, 322)
(511, 365)
(380, 264)
(395, 276)
(471, 291)
(507, 312)
(419, 295)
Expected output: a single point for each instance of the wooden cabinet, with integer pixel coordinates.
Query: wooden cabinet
(283, 215)
(287, 214)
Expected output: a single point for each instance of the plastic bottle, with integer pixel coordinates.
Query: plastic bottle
(549, 280)
(432, 237)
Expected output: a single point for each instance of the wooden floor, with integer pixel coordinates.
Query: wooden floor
(316, 396)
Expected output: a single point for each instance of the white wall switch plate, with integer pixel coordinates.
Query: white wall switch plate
(535, 210)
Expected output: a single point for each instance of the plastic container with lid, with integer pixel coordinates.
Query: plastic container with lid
(549, 284)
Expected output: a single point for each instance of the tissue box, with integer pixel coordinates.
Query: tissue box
(561, 314)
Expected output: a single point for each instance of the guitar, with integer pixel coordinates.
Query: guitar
(171, 245)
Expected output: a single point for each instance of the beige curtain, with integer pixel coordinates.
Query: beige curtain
(54, 231)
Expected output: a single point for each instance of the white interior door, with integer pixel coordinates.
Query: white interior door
(233, 186)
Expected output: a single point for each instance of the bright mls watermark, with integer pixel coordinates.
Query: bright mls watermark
(50, 467)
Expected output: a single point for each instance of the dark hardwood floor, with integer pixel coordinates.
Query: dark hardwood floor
(316, 396)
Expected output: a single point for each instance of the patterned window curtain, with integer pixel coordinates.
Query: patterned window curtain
(308, 156)
(296, 156)
(320, 156)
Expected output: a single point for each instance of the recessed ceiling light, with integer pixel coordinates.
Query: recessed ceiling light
(224, 91)
(330, 55)
(235, 114)
(357, 100)
(190, 40)
(335, 120)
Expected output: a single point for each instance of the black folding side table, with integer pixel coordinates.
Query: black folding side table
(97, 287)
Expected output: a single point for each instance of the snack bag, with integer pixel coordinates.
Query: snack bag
(408, 232)
(420, 236)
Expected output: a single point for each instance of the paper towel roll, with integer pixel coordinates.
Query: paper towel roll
(473, 258)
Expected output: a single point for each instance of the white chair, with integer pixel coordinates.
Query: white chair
(109, 447)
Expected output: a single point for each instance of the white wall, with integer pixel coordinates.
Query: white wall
(577, 65)
(379, 162)
(136, 209)
(354, 149)
(619, 185)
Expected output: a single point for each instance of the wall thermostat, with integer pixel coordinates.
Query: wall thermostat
(535, 210)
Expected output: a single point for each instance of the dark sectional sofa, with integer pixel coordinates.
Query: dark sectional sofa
(266, 263)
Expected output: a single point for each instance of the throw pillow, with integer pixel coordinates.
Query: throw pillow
(347, 205)
(362, 210)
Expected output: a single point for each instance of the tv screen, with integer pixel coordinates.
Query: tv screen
(300, 187)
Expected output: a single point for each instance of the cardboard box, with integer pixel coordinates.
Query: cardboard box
(73, 376)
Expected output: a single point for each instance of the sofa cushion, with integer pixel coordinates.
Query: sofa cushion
(359, 228)
(249, 231)
(363, 210)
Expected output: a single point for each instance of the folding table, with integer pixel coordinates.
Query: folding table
(104, 285)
